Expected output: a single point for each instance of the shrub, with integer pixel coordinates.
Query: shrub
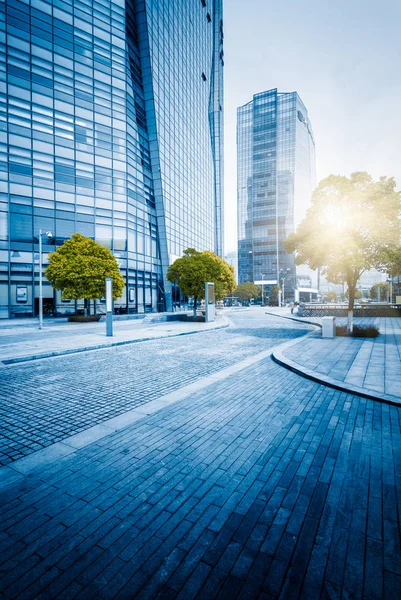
(361, 332)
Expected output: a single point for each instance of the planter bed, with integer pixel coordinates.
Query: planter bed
(358, 332)
(84, 319)
(191, 319)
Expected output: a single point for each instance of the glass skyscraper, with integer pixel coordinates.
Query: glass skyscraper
(275, 180)
(112, 126)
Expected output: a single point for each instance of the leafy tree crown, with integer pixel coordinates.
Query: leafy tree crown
(350, 227)
(374, 290)
(353, 225)
(274, 295)
(193, 269)
(247, 291)
(79, 267)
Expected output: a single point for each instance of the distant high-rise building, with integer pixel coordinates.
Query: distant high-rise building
(112, 127)
(276, 177)
(232, 259)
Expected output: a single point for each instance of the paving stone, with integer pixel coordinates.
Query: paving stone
(191, 560)
(313, 581)
(222, 540)
(195, 582)
(254, 581)
(221, 571)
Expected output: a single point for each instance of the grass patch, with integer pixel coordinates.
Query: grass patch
(360, 332)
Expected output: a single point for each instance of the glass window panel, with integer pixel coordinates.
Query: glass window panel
(3, 226)
(21, 227)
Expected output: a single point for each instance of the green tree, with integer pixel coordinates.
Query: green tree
(331, 296)
(191, 271)
(357, 294)
(374, 291)
(274, 295)
(79, 267)
(393, 266)
(351, 224)
(247, 291)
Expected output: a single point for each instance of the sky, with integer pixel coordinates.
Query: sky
(343, 57)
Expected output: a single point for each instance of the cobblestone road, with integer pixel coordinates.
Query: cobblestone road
(265, 485)
(46, 401)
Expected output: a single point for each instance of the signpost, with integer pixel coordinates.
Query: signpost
(109, 306)
(209, 302)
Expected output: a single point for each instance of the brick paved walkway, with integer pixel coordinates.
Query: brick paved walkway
(373, 364)
(46, 401)
(264, 486)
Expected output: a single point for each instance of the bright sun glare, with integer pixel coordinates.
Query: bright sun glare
(337, 217)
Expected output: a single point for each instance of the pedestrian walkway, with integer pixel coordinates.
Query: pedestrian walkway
(371, 365)
(21, 343)
(265, 485)
(44, 402)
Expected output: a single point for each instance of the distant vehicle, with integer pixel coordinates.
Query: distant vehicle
(232, 301)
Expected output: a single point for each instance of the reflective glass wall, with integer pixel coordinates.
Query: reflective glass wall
(276, 177)
(183, 84)
(96, 138)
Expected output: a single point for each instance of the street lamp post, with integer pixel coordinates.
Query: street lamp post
(263, 303)
(49, 235)
(282, 303)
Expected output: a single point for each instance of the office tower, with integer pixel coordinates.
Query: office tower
(112, 118)
(275, 180)
(232, 259)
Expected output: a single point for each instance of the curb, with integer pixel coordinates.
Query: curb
(279, 358)
(297, 319)
(22, 359)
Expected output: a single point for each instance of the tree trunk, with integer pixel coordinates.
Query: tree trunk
(195, 301)
(351, 300)
(86, 307)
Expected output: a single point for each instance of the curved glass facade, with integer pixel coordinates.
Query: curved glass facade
(276, 177)
(105, 130)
